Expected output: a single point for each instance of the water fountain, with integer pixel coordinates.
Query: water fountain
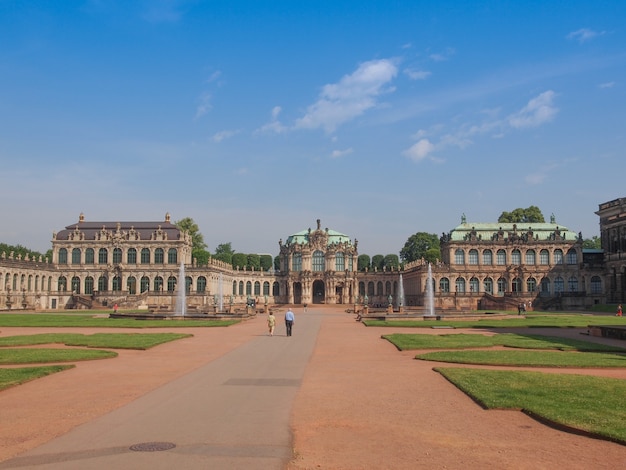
(181, 305)
(430, 297)
(400, 294)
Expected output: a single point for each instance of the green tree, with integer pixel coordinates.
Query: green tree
(378, 262)
(276, 263)
(254, 262)
(266, 262)
(391, 262)
(198, 247)
(23, 252)
(421, 245)
(240, 260)
(363, 262)
(594, 242)
(531, 214)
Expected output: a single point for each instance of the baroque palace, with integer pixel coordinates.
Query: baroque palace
(140, 264)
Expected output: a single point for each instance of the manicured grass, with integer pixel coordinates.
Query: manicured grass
(17, 376)
(97, 340)
(591, 404)
(531, 321)
(46, 355)
(519, 358)
(88, 321)
(405, 341)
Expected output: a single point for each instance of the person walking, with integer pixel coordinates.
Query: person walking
(271, 323)
(289, 320)
(619, 311)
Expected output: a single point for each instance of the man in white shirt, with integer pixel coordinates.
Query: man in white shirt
(289, 319)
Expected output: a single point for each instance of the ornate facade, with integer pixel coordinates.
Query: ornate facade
(483, 265)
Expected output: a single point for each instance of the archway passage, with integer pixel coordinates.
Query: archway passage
(297, 293)
(319, 292)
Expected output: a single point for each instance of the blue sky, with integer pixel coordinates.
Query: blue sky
(256, 118)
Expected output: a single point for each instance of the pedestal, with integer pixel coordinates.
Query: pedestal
(389, 309)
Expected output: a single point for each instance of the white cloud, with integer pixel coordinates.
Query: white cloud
(539, 110)
(417, 74)
(607, 85)
(350, 97)
(274, 126)
(419, 150)
(223, 135)
(584, 34)
(341, 153)
(204, 105)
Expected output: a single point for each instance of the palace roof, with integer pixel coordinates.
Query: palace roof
(512, 232)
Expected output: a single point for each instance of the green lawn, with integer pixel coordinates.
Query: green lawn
(513, 321)
(408, 341)
(97, 340)
(17, 376)
(47, 355)
(89, 321)
(520, 358)
(591, 404)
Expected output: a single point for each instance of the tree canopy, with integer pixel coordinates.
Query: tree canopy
(531, 214)
(198, 247)
(421, 245)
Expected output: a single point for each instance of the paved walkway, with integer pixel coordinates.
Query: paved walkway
(236, 398)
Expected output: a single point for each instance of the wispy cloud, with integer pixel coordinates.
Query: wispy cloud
(349, 98)
(540, 175)
(442, 56)
(417, 74)
(584, 34)
(204, 104)
(538, 111)
(606, 85)
(223, 135)
(164, 11)
(341, 153)
(274, 126)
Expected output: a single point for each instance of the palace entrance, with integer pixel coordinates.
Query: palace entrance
(319, 292)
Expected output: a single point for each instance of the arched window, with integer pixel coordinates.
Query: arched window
(61, 284)
(596, 285)
(117, 283)
(388, 288)
(516, 285)
(545, 285)
(159, 256)
(460, 284)
(572, 284)
(201, 284)
(516, 257)
(158, 284)
(240, 287)
(90, 256)
(572, 256)
(474, 284)
(276, 289)
(340, 262)
(473, 256)
(266, 288)
(370, 288)
(530, 257)
(444, 284)
(89, 285)
(103, 284)
(76, 256)
(63, 256)
(131, 285)
(248, 288)
(544, 257)
(145, 256)
(257, 288)
(459, 256)
(117, 255)
(76, 284)
(234, 287)
(488, 285)
(501, 285)
(501, 257)
(531, 284)
(318, 261)
(558, 256)
(559, 285)
(188, 284)
(145, 284)
(172, 256)
(103, 256)
(296, 262)
(131, 256)
(487, 257)
(171, 284)
(379, 288)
